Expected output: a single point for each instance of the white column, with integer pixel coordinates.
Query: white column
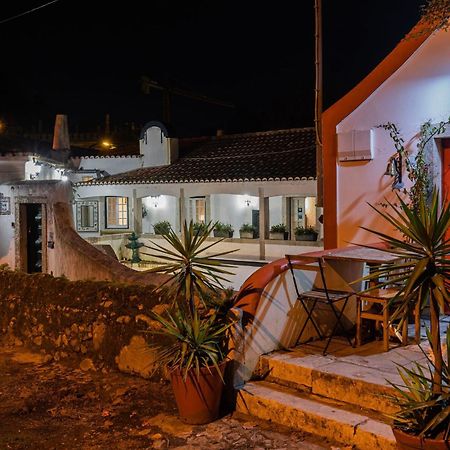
(262, 224)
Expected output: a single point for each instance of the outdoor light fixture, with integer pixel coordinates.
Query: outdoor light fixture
(64, 177)
(247, 202)
(394, 169)
(154, 200)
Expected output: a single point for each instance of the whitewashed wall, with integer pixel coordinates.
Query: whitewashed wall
(417, 92)
(111, 165)
(160, 208)
(233, 209)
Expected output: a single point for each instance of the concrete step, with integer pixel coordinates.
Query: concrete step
(348, 380)
(288, 407)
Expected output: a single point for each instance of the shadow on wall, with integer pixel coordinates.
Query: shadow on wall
(76, 259)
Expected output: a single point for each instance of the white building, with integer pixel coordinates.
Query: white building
(408, 88)
(261, 179)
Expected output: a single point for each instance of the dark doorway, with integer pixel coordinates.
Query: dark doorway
(255, 221)
(31, 227)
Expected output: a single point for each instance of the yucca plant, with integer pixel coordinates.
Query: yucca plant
(194, 342)
(192, 272)
(421, 411)
(422, 276)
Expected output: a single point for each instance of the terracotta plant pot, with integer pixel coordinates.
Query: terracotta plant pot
(407, 441)
(198, 399)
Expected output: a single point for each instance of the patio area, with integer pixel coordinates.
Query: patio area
(343, 396)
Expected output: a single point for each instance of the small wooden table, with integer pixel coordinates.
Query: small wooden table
(370, 256)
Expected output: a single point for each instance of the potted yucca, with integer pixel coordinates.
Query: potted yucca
(197, 325)
(423, 277)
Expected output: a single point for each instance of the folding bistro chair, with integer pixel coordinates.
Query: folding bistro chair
(318, 296)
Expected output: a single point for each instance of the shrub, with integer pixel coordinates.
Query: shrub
(280, 228)
(302, 230)
(162, 227)
(199, 226)
(223, 227)
(247, 228)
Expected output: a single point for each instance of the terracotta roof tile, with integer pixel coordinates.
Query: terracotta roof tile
(272, 155)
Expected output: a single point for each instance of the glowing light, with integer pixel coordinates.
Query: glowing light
(64, 177)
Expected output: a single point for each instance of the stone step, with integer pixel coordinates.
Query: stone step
(351, 381)
(287, 407)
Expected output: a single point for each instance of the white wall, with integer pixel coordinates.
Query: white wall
(51, 192)
(160, 208)
(276, 211)
(233, 209)
(417, 92)
(111, 164)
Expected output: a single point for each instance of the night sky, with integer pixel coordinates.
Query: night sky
(86, 59)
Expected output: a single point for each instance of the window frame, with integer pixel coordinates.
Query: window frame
(79, 205)
(127, 216)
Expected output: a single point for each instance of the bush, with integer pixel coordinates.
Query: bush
(280, 228)
(199, 227)
(302, 230)
(247, 228)
(162, 227)
(223, 227)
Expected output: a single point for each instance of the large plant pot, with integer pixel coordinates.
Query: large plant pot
(246, 234)
(407, 441)
(279, 236)
(198, 399)
(306, 237)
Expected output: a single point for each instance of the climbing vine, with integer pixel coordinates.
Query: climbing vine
(418, 168)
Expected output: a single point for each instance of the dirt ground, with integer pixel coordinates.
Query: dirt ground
(54, 406)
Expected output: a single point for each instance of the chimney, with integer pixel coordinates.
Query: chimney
(61, 133)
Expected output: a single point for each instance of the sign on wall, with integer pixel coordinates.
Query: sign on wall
(5, 205)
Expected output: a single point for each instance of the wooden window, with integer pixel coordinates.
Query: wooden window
(116, 212)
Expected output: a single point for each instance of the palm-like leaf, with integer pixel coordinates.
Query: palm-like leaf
(194, 341)
(422, 277)
(192, 272)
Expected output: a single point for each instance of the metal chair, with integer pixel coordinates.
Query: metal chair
(318, 296)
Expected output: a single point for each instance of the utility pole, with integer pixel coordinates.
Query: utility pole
(318, 106)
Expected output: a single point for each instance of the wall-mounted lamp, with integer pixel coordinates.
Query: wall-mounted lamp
(394, 169)
(154, 199)
(247, 202)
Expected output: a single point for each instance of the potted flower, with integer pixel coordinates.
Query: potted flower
(305, 234)
(247, 231)
(162, 227)
(197, 325)
(223, 230)
(278, 232)
(423, 420)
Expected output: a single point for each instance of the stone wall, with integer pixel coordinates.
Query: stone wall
(102, 325)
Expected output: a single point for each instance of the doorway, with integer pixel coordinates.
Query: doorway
(31, 237)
